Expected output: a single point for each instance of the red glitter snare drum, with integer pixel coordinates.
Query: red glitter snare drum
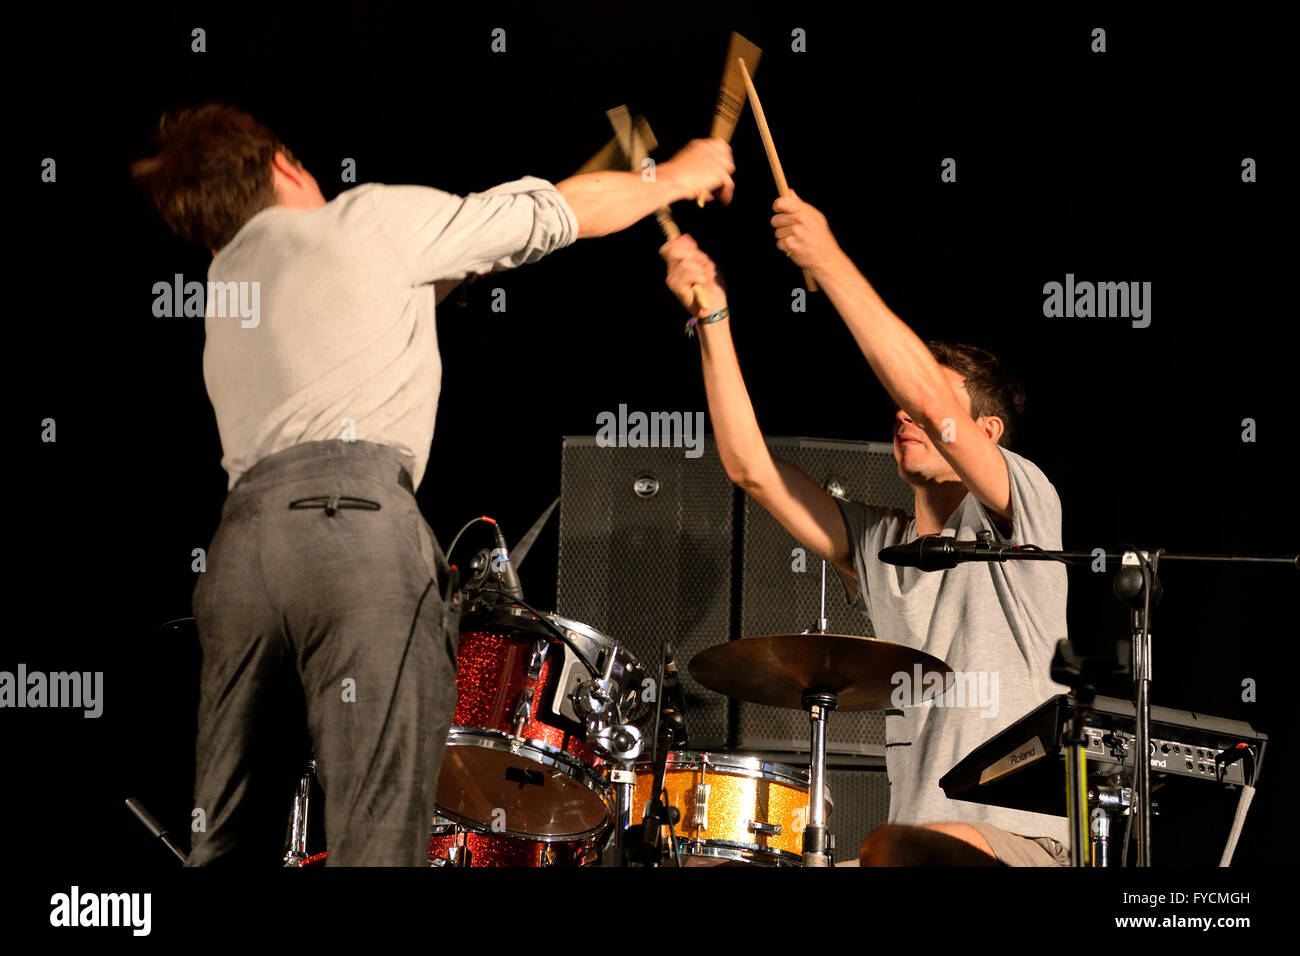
(449, 842)
(518, 762)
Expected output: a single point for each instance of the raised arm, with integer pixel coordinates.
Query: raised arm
(899, 358)
(608, 201)
(801, 505)
(441, 236)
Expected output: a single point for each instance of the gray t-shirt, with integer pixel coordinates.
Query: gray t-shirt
(995, 624)
(344, 345)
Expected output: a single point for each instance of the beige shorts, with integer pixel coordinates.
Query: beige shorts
(1016, 850)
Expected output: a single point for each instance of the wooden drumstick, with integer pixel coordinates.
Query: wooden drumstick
(668, 225)
(612, 154)
(782, 187)
(634, 149)
(731, 89)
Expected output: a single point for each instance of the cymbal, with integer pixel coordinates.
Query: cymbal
(776, 669)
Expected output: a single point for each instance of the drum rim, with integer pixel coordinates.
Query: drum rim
(538, 752)
(564, 623)
(734, 850)
(449, 828)
(441, 825)
(573, 628)
(737, 765)
(472, 826)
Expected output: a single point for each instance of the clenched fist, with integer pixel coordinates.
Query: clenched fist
(688, 266)
(802, 233)
(702, 167)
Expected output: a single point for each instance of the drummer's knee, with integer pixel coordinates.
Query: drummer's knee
(885, 846)
(964, 832)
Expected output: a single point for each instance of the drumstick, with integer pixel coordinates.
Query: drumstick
(731, 89)
(612, 155)
(634, 149)
(782, 187)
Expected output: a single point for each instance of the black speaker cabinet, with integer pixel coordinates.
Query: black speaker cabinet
(646, 555)
(861, 796)
(651, 549)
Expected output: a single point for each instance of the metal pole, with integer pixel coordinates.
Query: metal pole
(1142, 790)
(819, 705)
(1076, 778)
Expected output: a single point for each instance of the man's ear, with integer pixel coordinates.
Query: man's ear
(281, 163)
(993, 426)
(291, 174)
(286, 177)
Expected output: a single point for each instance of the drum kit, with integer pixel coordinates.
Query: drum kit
(565, 750)
(561, 739)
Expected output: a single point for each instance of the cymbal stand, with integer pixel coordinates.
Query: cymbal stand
(822, 621)
(819, 704)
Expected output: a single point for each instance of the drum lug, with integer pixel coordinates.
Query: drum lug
(771, 829)
(523, 713)
(458, 856)
(537, 658)
(699, 807)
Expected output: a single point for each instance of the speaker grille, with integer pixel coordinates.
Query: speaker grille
(778, 598)
(649, 562)
(647, 555)
(861, 804)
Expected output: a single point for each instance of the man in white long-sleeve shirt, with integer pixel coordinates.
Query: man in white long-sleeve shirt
(324, 586)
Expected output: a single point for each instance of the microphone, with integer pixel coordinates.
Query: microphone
(937, 552)
(673, 696)
(509, 579)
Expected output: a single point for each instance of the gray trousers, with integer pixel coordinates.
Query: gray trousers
(325, 625)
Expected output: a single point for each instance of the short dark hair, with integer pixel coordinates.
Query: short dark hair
(212, 172)
(992, 389)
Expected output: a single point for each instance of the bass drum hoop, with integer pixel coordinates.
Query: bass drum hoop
(541, 753)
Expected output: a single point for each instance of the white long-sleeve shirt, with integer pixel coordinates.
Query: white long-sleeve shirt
(344, 345)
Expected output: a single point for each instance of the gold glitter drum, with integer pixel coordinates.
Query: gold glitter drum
(734, 808)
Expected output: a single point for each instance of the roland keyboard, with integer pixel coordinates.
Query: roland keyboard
(1023, 766)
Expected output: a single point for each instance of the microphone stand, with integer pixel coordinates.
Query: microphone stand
(658, 815)
(644, 843)
(1137, 587)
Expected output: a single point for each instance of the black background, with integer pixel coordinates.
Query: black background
(1117, 166)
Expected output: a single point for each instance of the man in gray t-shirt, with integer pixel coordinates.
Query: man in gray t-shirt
(996, 626)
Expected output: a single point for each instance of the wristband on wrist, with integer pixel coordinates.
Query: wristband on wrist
(707, 320)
